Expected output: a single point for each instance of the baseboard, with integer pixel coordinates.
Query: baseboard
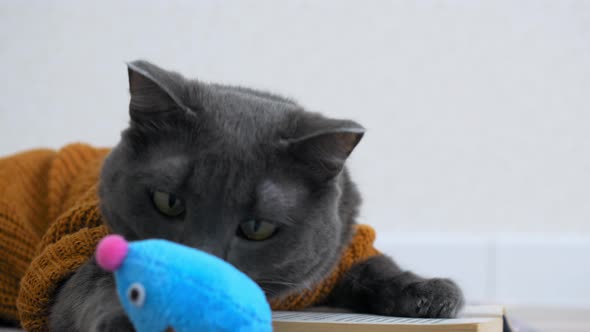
(509, 268)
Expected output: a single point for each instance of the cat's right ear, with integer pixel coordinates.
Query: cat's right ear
(325, 144)
(153, 90)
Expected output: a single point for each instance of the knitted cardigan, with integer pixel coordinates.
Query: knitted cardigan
(50, 224)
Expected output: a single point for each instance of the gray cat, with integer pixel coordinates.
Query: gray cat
(250, 177)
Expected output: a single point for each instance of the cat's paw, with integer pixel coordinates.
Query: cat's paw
(113, 323)
(432, 298)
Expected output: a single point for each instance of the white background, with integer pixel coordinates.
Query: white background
(477, 112)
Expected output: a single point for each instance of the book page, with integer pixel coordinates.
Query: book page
(347, 318)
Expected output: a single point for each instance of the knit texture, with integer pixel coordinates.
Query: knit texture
(50, 224)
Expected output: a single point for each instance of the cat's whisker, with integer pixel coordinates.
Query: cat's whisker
(277, 282)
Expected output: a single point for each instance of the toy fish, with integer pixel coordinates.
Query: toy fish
(164, 287)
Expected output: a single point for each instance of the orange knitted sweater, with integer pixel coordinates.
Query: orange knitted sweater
(50, 224)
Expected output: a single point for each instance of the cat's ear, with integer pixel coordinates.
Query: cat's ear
(326, 145)
(153, 89)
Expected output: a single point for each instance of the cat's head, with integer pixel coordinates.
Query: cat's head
(248, 176)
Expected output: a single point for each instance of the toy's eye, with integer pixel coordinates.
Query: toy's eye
(257, 230)
(167, 203)
(136, 294)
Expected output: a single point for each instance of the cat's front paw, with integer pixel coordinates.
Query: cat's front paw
(432, 298)
(113, 323)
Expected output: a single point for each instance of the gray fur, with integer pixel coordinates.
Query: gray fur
(231, 154)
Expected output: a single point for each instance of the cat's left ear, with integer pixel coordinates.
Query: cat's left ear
(325, 149)
(153, 89)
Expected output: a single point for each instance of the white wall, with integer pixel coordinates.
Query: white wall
(478, 111)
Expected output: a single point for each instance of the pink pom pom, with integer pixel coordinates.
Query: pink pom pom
(111, 252)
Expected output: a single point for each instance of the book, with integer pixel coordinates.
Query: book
(472, 319)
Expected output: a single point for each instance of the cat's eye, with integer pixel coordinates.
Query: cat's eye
(167, 203)
(257, 230)
(136, 294)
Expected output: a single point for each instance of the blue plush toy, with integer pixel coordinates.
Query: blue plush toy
(165, 286)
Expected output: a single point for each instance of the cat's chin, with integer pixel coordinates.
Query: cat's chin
(314, 275)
